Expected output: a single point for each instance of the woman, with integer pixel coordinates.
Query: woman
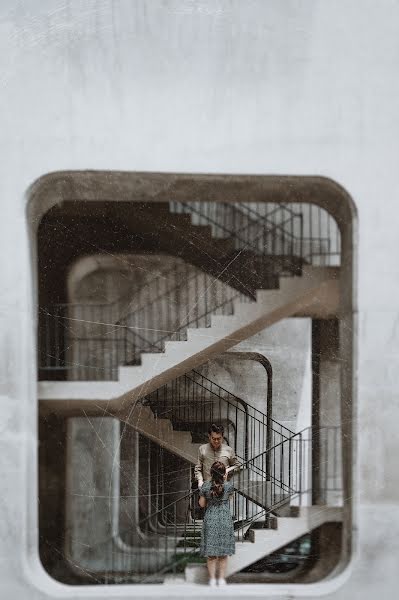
(217, 536)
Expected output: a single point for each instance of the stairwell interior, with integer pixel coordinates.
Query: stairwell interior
(155, 319)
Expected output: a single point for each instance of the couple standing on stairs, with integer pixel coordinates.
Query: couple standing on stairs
(215, 461)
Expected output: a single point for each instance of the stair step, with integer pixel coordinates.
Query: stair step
(183, 436)
(182, 218)
(289, 288)
(161, 430)
(262, 541)
(265, 296)
(196, 345)
(199, 233)
(172, 346)
(165, 426)
(180, 441)
(143, 413)
(270, 523)
(223, 321)
(296, 284)
(175, 579)
(225, 244)
(205, 333)
(287, 510)
(127, 373)
(151, 360)
(195, 573)
(226, 331)
(311, 277)
(320, 273)
(245, 313)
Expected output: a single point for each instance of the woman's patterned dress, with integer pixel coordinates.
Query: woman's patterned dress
(217, 536)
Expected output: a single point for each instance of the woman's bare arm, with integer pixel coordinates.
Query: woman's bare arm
(202, 501)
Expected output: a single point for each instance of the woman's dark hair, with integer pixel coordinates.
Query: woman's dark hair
(218, 471)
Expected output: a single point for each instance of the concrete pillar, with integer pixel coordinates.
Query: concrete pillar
(129, 484)
(92, 489)
(326, 413)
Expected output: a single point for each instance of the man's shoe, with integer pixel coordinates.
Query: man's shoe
(212, 582)
(222, 581)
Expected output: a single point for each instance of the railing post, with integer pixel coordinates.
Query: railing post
(290, 463)
(246, 441)
(269, 417)
(300, 468)
(301, 240)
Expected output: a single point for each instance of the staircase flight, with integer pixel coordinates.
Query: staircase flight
(315, 294)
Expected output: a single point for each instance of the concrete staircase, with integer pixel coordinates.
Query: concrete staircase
(94, 541)
(263, 542)
(161, 431)
(314, 294)
(153, 228)
(111, 554)
(197, 240)
(249, 236)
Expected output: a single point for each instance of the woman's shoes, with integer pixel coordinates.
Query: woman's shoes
(212, 582)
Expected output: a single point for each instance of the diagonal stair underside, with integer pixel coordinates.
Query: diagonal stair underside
(152, 228)
(314, 294)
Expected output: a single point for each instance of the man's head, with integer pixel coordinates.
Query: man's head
(215, 435)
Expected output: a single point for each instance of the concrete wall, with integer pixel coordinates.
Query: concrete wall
(286, 345)
(266, 87)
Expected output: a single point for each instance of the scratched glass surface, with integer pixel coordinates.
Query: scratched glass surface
(156, 320)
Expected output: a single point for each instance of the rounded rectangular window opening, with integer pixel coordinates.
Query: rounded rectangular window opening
(152, 316)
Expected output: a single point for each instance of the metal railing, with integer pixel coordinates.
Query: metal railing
(192, 401)
(297, 230)
(249, 229)
(168, 537)
(84, 341)
(319, 240)
(78, 343)
(88, 341)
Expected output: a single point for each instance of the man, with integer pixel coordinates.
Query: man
(215, 449)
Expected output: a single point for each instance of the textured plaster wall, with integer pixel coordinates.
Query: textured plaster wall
(286, 344)
(221, 86)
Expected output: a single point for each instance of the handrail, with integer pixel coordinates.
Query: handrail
(280, 207)
(146, 284)
(185, 496)
(236, 208)
(256, 424)
(234, 233)
(189, 321)
(317, 245)
(172, 534)
(213, 300)
(193, 399)
(283, 207)
(274, 228)
(247, 404)
(243, 466)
